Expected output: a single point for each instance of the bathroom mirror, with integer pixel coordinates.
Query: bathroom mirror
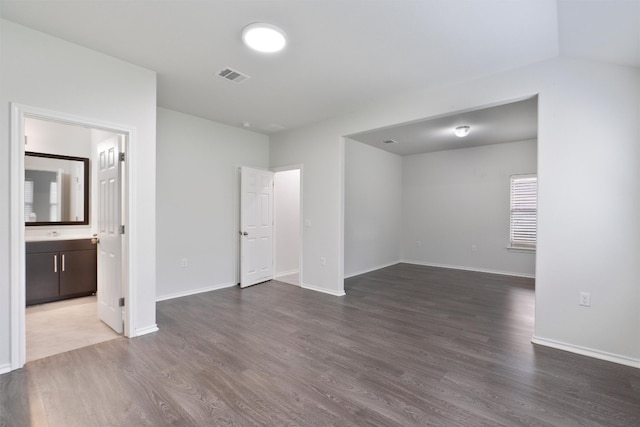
(56, 189)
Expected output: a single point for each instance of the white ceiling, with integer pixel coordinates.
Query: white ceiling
(516, 121)
(342, 54)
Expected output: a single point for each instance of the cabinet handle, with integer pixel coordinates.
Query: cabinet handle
(55, 263)
(62, 262)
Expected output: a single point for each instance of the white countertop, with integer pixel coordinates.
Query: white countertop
(48, 238)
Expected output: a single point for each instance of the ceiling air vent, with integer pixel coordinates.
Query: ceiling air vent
(233, 75)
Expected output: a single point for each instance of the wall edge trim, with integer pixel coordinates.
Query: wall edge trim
(147, 330)
(369, 270)
(194, 291)
(476, 269)
(286, 273)
(585, 351)
(324, 291)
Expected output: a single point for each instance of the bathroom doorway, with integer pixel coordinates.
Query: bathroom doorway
(67, 321)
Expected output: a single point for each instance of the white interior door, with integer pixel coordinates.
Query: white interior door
(256, 226)
(109, 246)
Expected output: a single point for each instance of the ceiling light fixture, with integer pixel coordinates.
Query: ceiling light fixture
(462, 131)
(264, 37)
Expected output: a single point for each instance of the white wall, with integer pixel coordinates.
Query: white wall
(373, 208)
(589, 132)
(45, 136)
(589, 179)
(458, 200)
(45, 72)
(286, 202)
(321, 152)
(197, 202)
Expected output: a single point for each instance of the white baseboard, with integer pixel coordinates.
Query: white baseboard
(286, 273)
(369, 270)
(324, 291)
(5, 368)
(479, 270)
(584, 351)
(290, 284)
(281, 278)
(195, 291)
(147, 330)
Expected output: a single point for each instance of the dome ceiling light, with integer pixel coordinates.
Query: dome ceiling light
(462, 131)
(264, 37)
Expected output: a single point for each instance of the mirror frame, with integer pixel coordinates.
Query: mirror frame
(86, 189)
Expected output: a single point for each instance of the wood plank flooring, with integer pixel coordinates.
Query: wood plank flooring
(408, 345)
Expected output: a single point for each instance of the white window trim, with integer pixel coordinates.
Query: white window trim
(520, 249)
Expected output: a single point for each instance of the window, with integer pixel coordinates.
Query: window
(524, 208)
(28, 201)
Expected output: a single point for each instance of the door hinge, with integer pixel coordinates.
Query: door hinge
(121, 302)
(122, 157)
(122, 229)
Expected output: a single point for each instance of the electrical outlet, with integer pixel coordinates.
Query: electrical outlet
(323, 261)
(474, 248)
(585, 299)
(418, 243)
(184, 263)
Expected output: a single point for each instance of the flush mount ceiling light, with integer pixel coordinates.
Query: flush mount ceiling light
(462, 131)
(264, 37)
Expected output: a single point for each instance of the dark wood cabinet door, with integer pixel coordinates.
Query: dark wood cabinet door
(42, 277)
(78, 274)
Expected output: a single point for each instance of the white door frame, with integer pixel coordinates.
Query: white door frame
(17, 256)
(236, 215)
(301, 235)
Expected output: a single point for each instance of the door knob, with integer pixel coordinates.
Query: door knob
(244, 233)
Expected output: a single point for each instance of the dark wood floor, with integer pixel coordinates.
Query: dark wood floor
(408, 345)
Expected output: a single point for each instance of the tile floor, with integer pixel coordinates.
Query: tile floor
(62, 326)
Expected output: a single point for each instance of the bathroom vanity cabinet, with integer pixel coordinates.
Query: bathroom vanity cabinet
(60, 269)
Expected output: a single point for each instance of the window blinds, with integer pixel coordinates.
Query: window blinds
(524, 201)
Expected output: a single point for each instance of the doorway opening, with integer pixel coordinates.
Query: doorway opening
(288, 231)
(72, 313)
(439, 199)
(270, 225)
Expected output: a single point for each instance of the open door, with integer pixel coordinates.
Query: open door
(256, 226)
(109, 234)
